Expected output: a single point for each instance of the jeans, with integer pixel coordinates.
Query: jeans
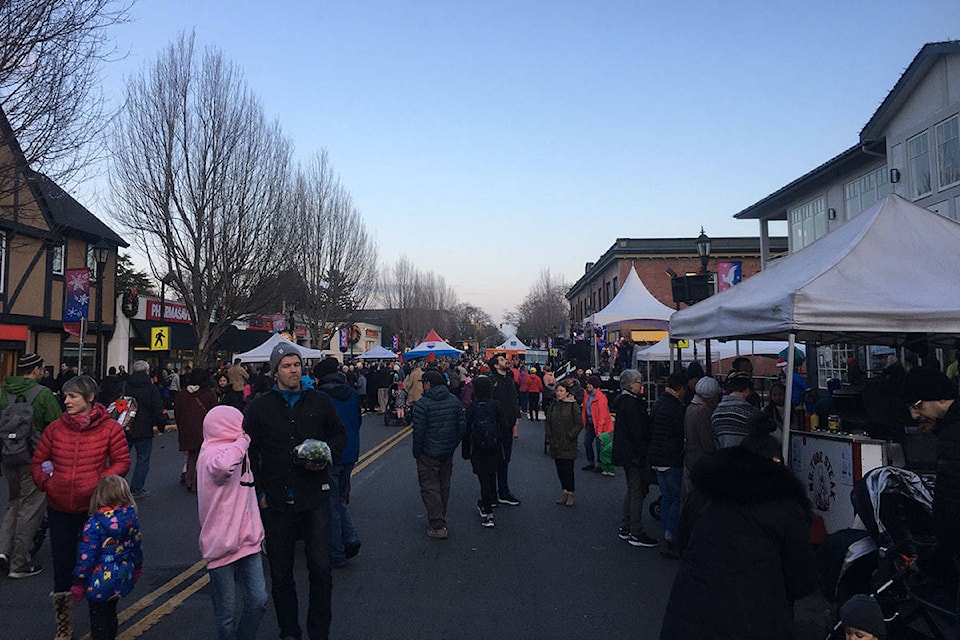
(246, 577)
(65, 531)
(144, 447)
(434, 477)
(503, 482)
(342, 530)
(633, 500)
(22, 519)
(283, 528)
(103, 619)
(671, 481)
(589, 437)
(488, 489)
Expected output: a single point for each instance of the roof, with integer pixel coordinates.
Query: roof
(67, 213)
(921, 64)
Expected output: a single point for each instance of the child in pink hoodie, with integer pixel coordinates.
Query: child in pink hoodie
(230, 528)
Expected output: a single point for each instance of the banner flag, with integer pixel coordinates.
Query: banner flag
(728, 274)
(78, 300)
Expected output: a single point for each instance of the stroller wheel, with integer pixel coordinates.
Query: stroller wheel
(654, 509)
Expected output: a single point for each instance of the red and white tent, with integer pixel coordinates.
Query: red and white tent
(432, 344)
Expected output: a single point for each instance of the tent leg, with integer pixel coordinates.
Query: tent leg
(787, 401)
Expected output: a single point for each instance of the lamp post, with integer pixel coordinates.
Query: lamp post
(101, 254)
(164, 281)
(703, 250)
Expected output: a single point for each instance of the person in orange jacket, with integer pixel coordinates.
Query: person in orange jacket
(598, 425)
(534, 388)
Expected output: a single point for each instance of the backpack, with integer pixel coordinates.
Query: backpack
(123, 409)
(17, 430)
(485, 433)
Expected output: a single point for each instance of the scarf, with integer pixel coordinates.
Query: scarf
(84, 421)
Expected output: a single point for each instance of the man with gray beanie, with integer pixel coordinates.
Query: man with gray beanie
(294, 494)
(631, 438)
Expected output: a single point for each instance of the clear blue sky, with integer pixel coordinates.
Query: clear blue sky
(489, 139)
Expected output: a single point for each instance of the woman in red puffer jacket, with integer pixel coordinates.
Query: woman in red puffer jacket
(75, 452)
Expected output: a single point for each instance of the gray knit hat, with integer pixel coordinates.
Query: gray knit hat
(628, 377)
(708, 388)
(282, 350)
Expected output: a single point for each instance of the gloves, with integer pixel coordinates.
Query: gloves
(47, 467)
(137, 573)
(77, 592)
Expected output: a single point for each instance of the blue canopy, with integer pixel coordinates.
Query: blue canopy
(432, 344)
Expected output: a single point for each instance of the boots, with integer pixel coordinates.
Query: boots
(569, 502)
(563, 497)
(63, 613)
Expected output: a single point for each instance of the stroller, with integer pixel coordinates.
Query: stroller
(896, 509)
(390, 418)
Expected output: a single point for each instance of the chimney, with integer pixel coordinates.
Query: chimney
(588, 267)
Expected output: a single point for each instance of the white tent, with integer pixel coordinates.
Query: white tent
(262, 353)
(747, 348)
(881, 278)
(378, 353)
(634, 302)
(663, 352)
(513, 344)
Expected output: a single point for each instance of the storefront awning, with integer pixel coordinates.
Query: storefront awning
(182, 337)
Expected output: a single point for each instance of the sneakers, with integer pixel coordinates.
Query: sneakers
(588, 467)
(508, 499)
(608, 474)
(642, 540)
(623, 533)
(143, 493)
(351, 549)
(486, 520)
(440, 533)
(31, 570)
(4, 563)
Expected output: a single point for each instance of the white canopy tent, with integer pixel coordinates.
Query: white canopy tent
(378, 353)
(262, 353)
(633, 302)
(513, 344)
(663, 352)
(881, 278)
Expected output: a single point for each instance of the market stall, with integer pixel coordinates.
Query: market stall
(433, 346)
(262, 353)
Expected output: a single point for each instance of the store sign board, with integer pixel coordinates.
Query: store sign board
(172, 311)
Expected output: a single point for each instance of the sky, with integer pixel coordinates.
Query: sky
(489, 140)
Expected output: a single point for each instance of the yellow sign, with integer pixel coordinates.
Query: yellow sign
(640, 335)
(159, 338)
(681, 344)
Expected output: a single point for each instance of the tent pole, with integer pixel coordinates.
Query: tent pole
(787, 401)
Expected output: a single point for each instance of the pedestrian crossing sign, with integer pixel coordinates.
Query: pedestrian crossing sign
(160, 338)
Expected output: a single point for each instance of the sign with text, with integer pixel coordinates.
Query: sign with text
(172, 311)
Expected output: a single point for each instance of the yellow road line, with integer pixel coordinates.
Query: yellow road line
(381, 449)
(167, 607)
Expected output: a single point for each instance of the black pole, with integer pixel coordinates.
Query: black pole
(101, 267)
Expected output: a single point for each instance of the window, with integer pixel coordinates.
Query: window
(832, 362)
(606, 292)
(57, 261)
(808, 223)
(948, 152)
(862, 193)
(615, 288)
(919, 152)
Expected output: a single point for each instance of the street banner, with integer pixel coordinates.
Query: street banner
(344, 339)
(279, 322)
(728, 274)
(78, 300)
(395, 343)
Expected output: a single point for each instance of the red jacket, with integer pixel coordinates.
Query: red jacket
(602, 422)
(82, 453)
(534, 384)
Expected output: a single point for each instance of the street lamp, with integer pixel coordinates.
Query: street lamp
(164, 281)
(703, 250)
(101, 254)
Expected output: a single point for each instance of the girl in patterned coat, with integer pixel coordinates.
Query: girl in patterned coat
(109, 557)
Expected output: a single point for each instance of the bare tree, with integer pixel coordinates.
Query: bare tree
(420, 301)
(544, 311)
(50, 57)
(337, 256)
(201, 179)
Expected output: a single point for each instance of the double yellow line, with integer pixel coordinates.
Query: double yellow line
(144, 624)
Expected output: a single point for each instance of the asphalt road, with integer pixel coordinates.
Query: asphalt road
(544, 571)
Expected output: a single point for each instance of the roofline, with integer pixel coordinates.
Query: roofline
(928, 55)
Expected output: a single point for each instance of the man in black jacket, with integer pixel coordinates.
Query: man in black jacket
(506, 393)
(294, 498)
(631, 439)
(666, 456)
(149, 416)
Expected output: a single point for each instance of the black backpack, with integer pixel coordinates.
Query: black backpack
(17, 431)
(485, 433)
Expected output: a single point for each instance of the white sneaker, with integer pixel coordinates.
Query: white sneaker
(487, 520)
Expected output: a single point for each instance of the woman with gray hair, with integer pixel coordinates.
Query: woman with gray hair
(631, 439)
(698, 435)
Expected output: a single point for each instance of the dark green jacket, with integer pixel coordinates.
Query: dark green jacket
(563, 424)
(46, 409)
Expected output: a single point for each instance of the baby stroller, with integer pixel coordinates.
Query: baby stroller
(390, 418)
(896, 509)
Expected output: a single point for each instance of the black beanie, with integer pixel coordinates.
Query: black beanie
(862, 612)
(325, 367)
(927, 383)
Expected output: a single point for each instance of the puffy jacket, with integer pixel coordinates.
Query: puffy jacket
(946, 499)
(275, 428)
(109, 553)
(563, 424)
(149, 405)
(534, 384)
(438, 424)
(631, 432)
(347, 404)
(666, 440)
(599, 411)
(230, 525)
(83, 450)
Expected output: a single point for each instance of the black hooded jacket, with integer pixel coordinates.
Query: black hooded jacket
(745, 550)
(149, 404)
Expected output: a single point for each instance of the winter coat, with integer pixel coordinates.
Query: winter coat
(46, 408)
(238, 377)
(666, 440)
(190, 407)
(563, 425)
(522, 378)
(111, 388)
(347, 404)
(361, 384)
(505, 392)
(631, 432)
(731, 419)
(745, 551)
(485, 462)
(698, 435)
(230, 525)
(109, 553)
(534, 384)
(149, 405)
(438, 424)
(599, 411)
(83, 449)
(413, 385)
(946, 499)
(275, 428)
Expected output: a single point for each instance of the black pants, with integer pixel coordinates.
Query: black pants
(282, 530)
(65, 531)
(565, 473)
(488, 489)
(103, 620)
